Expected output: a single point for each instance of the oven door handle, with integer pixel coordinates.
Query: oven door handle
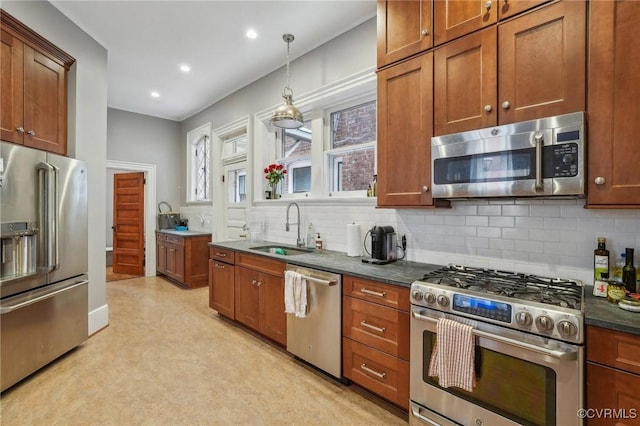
(561, 355)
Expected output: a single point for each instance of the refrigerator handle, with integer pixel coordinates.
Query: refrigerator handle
(48, 215)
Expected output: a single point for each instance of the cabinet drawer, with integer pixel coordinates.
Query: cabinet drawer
(614, 348)
(223, 255)
(261, 263)
(376, 371)
(161, 237)
(615, 390)
(377, 292)
(174, 239)
(382, 328)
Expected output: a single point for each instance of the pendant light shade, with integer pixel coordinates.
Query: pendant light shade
(287, 116)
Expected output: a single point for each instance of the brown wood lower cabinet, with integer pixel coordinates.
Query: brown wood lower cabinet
(259, 296)
(183, 259)
(613, 377)
(375, 330)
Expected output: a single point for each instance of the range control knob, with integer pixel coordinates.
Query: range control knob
(430, 298)
(567, 328)
(544, 323)
(568, 159)
(524, 319)
(416, 294)
(443, 300)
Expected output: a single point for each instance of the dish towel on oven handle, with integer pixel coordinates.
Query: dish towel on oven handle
(452, 360)
(295, 294)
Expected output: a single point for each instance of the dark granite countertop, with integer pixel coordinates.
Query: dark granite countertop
(598, 311)
(401, 272)
(183, 233)
(601, 313)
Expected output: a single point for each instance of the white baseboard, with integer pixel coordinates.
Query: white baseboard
(98, 319)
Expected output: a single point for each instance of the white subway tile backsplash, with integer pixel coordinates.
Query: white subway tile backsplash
(548, 237)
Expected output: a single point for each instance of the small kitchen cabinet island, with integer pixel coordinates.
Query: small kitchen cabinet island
(182, 256)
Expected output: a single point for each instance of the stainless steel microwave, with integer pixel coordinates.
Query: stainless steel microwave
(536, 158)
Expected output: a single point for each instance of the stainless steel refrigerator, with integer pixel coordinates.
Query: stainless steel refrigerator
(43, 259)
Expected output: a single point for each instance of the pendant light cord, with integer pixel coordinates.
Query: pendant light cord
(288, 38)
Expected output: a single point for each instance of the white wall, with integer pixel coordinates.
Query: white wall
(87, 129)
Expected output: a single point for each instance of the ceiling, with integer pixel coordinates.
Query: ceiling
(147, 41)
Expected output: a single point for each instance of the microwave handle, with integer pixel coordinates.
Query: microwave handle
(539, 141)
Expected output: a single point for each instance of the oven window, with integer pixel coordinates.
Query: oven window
(491, 167)
(517, 389)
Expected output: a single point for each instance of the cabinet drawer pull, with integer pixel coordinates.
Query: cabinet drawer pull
(373, 293)
(221, 254)
(31, 132)
(219, 266)
(20, 129)
(373, 327)
(370, 371)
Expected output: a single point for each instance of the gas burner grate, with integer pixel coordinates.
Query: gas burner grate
(552, 291)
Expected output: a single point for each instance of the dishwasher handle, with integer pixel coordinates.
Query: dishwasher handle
(329, 283)
(316, 277)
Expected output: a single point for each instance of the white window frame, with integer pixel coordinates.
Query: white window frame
(355, 89)
(193, 137)
(328, 151)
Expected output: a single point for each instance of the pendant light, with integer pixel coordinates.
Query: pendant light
(287, 116)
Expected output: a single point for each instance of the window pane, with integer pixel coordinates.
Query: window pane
(353, 126)
(296, 158)
(352, 170)
(236, 185)
(235, 145)
(201, 162)
(301, 179)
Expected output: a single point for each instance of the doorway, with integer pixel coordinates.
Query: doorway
(128, 223)
(149, 171)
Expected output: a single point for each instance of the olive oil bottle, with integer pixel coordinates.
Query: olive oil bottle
(629, 272)
(600, 259)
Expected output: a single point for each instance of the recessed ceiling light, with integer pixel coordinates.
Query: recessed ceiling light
(252, 34)
(155, 94)
(185, 68)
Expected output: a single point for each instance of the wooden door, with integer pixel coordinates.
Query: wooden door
(45, 101)
(221, 288)
(11, 87)
(542, 63)
(405, 126)
(465, 89)
(273, 320)
(614, 106)
(455, 18)
(404, 29)
(247, 297)
(128, 226)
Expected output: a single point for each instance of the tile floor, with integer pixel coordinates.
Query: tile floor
(167, 359)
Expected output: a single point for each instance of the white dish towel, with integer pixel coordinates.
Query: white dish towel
(452, 360)
(295, 294)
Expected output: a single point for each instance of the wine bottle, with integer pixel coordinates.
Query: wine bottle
(600, 259)
(629, 272)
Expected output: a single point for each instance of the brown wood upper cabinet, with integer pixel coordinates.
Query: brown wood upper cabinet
(404, 29)
(614, 109)
(536, 61)
(455, 18)
(405, 122)
(34, 88)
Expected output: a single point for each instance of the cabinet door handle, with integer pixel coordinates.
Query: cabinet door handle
(221, 254)
(253, 282)
(425, 188)
(488, 108)
(506, 105)
(373, 327)
(259, 283)
(425, 32)
(599, 180)
(370, 371)
(31, 132)
(373, 293)
(20, 129)
(488, 5)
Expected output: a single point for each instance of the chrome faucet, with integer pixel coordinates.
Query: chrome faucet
(299, 241)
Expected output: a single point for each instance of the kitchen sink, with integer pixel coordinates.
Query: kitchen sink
(281, 250)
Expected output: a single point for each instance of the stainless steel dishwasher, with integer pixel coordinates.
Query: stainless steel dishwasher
(316, 338)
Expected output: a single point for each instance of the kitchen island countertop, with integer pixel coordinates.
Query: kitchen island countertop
(187, 233)
(598, 311)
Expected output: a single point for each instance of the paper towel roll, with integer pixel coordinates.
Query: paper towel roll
(353, 240)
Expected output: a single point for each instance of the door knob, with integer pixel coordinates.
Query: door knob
(599, 180)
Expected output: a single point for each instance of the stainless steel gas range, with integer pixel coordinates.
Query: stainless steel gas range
(528, 333)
